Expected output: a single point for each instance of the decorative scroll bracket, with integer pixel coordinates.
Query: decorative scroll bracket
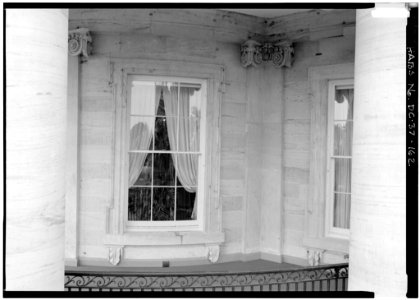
(80, 42)
(115, 254)
(213, 253)
(254, 53)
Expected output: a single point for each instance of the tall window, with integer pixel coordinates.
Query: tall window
(340, 138)
(165, 165)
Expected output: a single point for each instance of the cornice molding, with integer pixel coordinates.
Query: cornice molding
(80, 42)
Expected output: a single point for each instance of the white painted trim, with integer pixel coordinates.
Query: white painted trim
(294, 260)
(271, 257)
(71, 262)
(327, 243)
(175, 262)
(164, 238)
(166, 225)
(213, 75)
(330, 230)
(315, 206)
(230, 257)
(85, 263)
(129, 264)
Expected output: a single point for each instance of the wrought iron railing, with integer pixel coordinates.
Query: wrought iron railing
(320, 278)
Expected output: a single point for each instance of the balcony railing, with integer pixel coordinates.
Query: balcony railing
(320, 278)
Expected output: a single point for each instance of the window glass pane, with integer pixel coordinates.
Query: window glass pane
(168, 105)
(343, 105)
(189, 134)
(190, 104)
(141, 133)
(140, 167)
(163, 204)
(164, 116)
(143, 98)
(342, 175)
(162, 140)
(185, 204)
(163, 170)
(187, 171)
(139, 204)
(343, 138)
(342, 210)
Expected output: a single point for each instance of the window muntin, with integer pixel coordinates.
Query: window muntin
(165, 168)
(340, 139)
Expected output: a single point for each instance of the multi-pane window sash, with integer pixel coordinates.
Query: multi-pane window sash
(339, 153)
(159, 197)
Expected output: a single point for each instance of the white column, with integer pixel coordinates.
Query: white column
(377, 234)
(36, 52)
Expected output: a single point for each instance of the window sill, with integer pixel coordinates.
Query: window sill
(327, 243)
(164, 238)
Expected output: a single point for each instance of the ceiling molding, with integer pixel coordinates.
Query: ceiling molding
(266, 13)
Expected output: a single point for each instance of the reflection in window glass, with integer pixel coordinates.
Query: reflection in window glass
(163, 204)
(139, 200)
(163, 170)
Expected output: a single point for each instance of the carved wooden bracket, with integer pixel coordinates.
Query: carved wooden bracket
(315, 256)
(80, 42)
(254, 53)
(115, 254)
(213, 253)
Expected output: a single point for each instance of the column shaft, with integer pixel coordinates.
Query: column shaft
(377, 241)
(36, 70)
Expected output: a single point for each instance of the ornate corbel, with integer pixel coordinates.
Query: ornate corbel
(315, 256)
(213, 253)
(254, 53)
(115, 254)
(250, 54)
(80, 42)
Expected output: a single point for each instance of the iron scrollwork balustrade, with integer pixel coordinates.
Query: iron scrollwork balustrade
(321, 278)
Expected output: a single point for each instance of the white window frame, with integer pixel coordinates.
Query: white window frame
(315, 207)
(330, 230)
(209, 232)
(183, 225)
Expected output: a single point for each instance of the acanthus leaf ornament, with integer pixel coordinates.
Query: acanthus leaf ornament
(285, 53)
(250, 54)
(80, 42)
(254, 53)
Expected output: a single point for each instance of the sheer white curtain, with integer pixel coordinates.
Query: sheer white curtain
(144, 101)
(188, 136)
(343, 138)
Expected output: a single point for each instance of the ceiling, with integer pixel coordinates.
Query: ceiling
(267, 13)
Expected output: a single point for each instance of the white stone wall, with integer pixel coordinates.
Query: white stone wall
(96, 140)
(297, 133)
(265, 135)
